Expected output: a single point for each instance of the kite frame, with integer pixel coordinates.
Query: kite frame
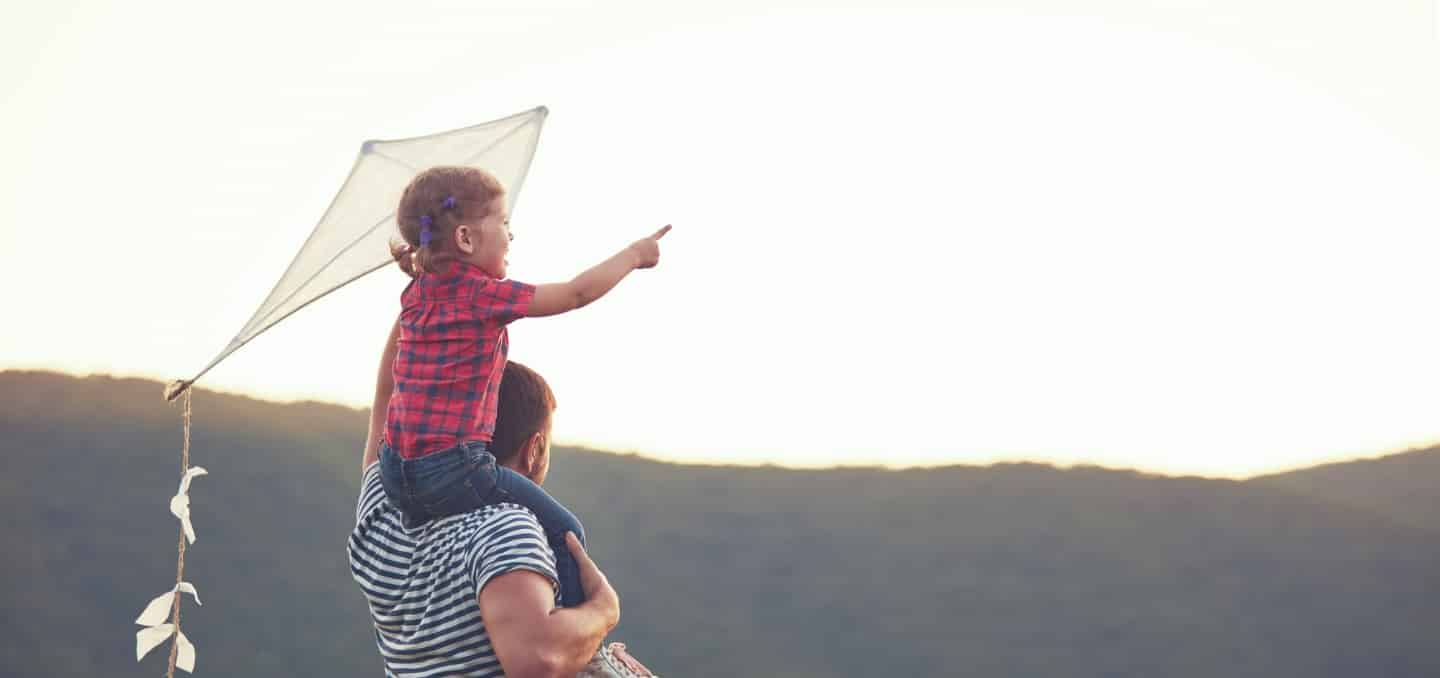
(366, 148)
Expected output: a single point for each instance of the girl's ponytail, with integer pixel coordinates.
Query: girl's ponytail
(404, 255)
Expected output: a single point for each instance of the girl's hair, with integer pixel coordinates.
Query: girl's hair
(444, 197)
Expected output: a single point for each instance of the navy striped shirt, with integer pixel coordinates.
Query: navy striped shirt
(423, 584)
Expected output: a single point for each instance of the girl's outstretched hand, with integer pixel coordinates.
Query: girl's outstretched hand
(647, 250)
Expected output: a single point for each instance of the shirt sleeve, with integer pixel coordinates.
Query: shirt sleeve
(504, 301)
(511, 540)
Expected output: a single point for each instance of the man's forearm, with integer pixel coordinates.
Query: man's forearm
(575, 634)
(533, 638)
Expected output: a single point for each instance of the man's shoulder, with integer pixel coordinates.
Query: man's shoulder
(496, 523)
(493, 522)
(505, 511)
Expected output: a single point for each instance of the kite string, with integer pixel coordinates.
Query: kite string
(180, 561)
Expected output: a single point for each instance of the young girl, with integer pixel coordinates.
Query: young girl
(451, 354)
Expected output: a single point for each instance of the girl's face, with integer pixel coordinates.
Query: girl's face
(490, 241)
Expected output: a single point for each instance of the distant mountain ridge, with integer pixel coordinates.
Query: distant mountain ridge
(1400, 486)
(1002, 570)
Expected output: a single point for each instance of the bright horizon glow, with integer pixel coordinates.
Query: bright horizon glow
(1184, 240)
(778, 459)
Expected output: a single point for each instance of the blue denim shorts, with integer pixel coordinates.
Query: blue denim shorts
(446, 483)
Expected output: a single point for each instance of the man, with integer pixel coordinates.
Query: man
(475, 594)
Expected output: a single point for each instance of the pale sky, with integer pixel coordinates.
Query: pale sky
(1182, 236)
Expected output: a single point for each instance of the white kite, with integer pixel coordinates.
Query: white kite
(351, 240)
(352, 237)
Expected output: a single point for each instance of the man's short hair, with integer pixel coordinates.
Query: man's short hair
(526, 402)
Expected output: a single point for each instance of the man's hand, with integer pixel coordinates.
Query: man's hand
(647, 250)
(598, 591)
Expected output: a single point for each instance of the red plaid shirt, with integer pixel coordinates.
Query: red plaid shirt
(450, 357)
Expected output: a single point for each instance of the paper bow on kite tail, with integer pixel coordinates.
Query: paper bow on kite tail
(156, 631)
(180, 503)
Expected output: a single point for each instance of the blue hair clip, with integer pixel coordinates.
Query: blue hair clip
(449, 203)
(425, 235)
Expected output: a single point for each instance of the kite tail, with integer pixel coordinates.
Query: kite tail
(180, 561)
(156, 631)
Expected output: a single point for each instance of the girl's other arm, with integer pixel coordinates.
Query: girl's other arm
(384, 384)
(557, 298)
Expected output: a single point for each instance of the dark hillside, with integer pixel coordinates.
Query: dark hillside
(1016, 569)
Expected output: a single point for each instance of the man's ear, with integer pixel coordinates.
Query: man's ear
(534, 447)
(467, 238)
